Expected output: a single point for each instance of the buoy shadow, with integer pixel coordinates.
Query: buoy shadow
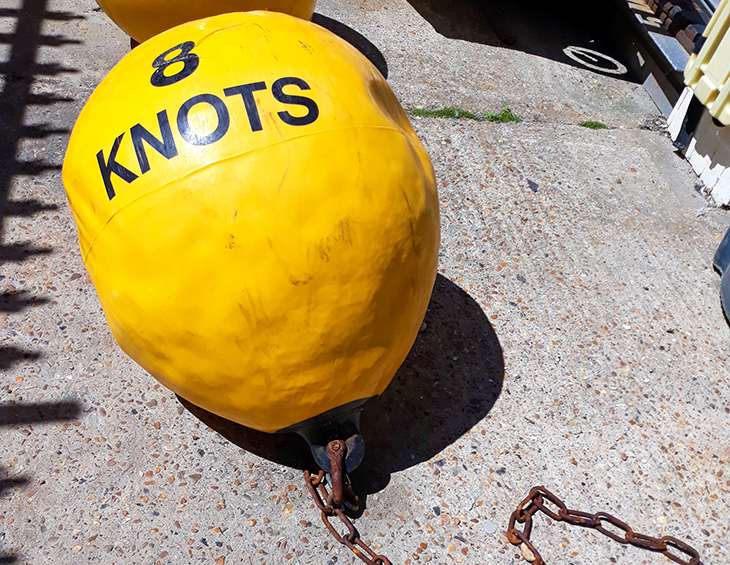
(356, 39)
(447, 384)
(284, 449)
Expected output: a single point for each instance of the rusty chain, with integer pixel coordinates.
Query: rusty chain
(323, 501)
(539, 500)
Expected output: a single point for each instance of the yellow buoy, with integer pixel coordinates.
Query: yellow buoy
(258, 216)
(141, 19)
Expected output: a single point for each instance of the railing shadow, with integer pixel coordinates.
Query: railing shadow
(27, 208)
(20, 91)
(10, 355)
(19, 71)
(25, 414)
(39, 413)
(8, 484)
(16, 252)
(15, 301)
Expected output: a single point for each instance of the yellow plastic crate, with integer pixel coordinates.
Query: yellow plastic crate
(708, 73)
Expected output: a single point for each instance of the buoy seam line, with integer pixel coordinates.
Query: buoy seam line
(227, 28)
(198, 170)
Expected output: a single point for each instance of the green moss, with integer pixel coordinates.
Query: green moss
(449, 112)
(506, 115)
(593, 125)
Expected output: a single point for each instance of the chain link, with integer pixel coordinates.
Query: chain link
(541, 499)
(351, 539)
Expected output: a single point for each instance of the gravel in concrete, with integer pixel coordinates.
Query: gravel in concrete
(575, 337)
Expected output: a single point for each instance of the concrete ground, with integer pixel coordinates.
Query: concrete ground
(575, 337)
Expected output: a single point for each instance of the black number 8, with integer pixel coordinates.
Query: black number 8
(189, 60)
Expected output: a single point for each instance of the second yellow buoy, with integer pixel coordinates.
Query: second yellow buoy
(141, 19)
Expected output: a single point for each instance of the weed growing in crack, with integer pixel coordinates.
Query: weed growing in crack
(450, 112)
(593, 125)
(506, 115)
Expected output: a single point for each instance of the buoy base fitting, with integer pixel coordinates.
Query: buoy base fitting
(340, 423)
